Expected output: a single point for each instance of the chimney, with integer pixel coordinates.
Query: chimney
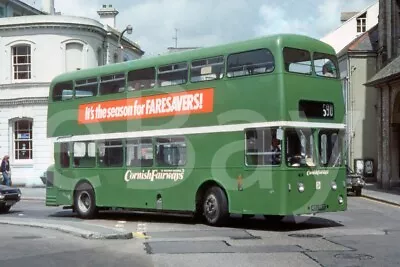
(48, 7)
(345, 16)
(107, 15)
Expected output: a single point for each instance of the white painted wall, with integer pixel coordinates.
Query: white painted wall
(48, 59)
(27, 171)
(48, 48)
(347, 32)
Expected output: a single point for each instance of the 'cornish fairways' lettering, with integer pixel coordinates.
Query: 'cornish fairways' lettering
(154, 175)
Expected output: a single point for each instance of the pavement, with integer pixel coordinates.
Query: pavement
(372, 191)
(76, 228)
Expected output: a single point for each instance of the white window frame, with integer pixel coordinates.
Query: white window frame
(362, 23)
(15, 64)
(15, 148)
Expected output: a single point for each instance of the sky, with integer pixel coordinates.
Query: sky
(212, 22)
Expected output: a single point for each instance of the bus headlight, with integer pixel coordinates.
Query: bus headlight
(301, 187)
(340, 200)
(334, 186)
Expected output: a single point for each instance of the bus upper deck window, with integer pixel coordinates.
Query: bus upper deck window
(297, 60)
(325, 65)
(141, 79)
(250, 63)
(62, 91)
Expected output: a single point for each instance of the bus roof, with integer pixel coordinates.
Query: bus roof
(272, 41)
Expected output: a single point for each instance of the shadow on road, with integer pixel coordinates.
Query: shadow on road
(288, 224)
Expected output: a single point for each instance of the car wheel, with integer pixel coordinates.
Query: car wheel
(5, 209)
(85, 201)
(215, 206)
(358, 191)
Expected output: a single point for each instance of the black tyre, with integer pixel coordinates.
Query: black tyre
(215, 206)
(357, 191)
(5, 209)
(85, 201)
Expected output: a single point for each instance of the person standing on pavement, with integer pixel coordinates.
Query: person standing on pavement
(5, 170)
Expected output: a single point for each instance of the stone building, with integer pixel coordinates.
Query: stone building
(387, 83)
(355, 41)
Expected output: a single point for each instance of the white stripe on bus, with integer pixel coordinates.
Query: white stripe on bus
(199, 130)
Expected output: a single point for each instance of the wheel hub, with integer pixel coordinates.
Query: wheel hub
(84, 202)
(211, 206)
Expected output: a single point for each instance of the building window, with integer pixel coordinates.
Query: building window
(22, 62)
(74, 54)
(2, 12)
(23, 139)
(362, 23)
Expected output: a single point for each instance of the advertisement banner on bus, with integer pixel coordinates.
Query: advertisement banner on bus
(162, 105)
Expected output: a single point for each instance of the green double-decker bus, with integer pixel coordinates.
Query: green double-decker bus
(253, 128)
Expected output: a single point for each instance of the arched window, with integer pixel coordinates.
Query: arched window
(21, 58)
(74, 56)
(22, 139)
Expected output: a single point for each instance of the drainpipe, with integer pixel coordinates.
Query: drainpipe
(351, 120)
(106, 46)
(348, 115)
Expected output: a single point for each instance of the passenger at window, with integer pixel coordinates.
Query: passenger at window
(327, 70)
(275, 147)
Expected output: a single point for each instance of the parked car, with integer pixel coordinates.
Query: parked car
(355, 182)
(9, 196)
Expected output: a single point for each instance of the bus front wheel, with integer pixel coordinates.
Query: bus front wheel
(215, 206)
(85, 201)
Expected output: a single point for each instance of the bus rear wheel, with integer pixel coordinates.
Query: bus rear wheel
(85, 201)
(215, 206)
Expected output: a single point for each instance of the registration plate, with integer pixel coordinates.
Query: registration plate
(10, 203)
(319, 207)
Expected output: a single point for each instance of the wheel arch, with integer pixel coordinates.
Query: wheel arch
(202, 189)
(83, 181)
